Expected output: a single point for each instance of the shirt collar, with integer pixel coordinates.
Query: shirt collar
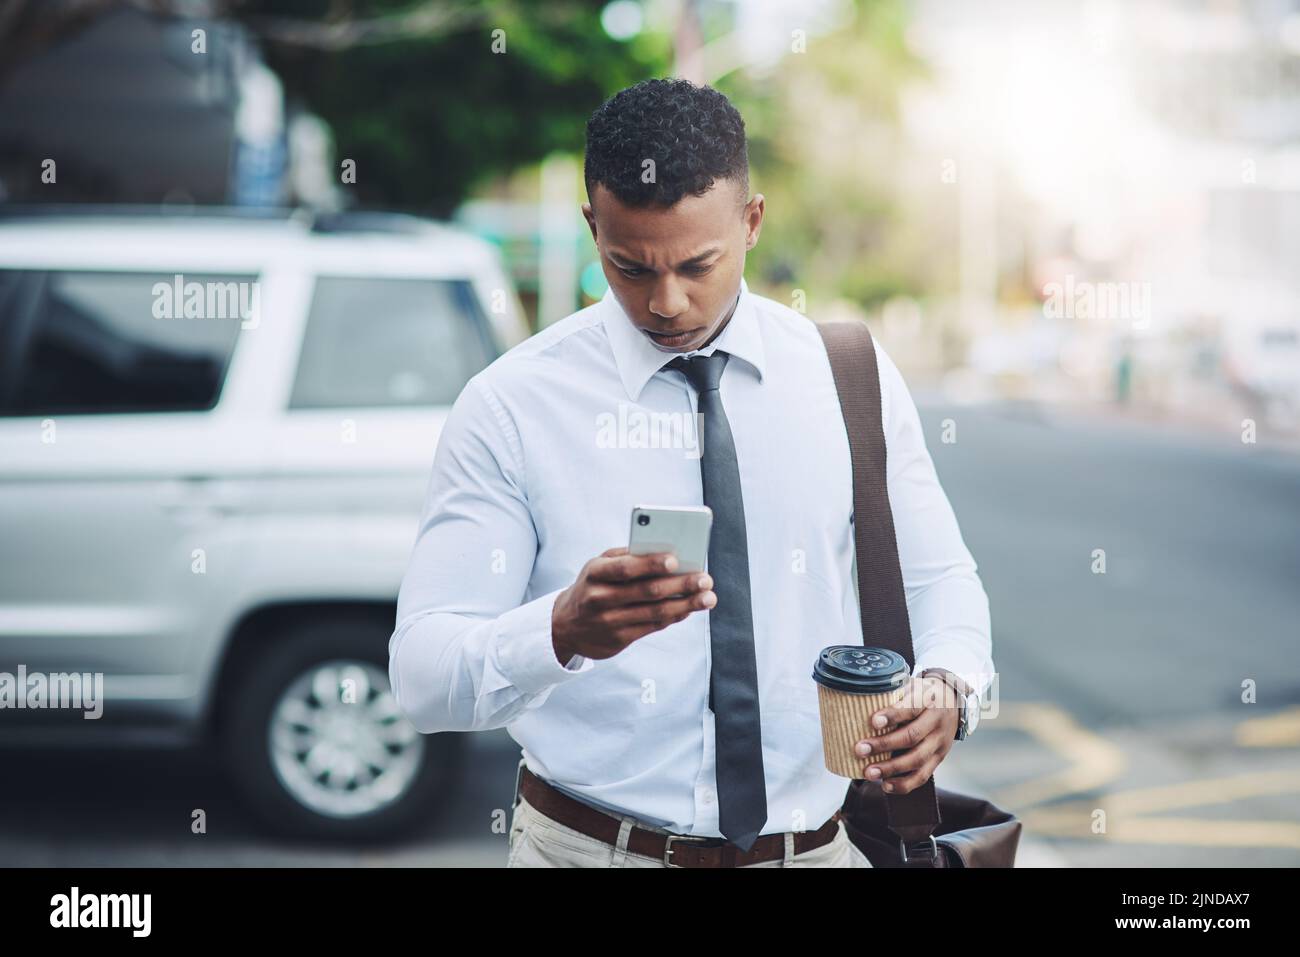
(638, 359)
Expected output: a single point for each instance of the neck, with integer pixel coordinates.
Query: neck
(723, 324)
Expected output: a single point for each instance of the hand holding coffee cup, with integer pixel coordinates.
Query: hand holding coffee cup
(853, 683)
(924, 729)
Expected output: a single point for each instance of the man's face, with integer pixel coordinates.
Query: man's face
(676, 272)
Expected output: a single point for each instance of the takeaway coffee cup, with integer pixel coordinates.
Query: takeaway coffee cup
(853, 683)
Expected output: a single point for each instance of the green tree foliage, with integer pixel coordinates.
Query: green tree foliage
(430, 112)
(826, 151)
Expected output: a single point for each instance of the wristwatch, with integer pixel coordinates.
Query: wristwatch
(969, 710)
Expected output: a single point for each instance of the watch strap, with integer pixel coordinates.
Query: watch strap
(962, 691)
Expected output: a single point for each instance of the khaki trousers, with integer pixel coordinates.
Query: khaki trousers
(540, 841)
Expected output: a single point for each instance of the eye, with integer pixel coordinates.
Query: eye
(632, 272)
(699, 270)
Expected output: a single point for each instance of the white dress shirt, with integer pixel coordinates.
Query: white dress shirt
(538, 467)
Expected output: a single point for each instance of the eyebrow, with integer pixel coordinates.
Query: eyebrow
(685, 262)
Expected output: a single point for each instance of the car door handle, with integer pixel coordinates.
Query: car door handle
(200, 494)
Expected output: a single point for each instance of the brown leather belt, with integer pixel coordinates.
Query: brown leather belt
(675, 850)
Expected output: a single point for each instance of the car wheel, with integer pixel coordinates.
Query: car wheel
(317, 746)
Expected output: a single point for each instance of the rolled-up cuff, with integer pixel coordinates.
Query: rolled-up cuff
(969, 668)
(524, 649)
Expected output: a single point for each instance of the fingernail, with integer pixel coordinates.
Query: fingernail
(873, 773)
(864, 747)
(880, 720)
(704, 582)
(670, 562)
(886, 787)
(710, 599)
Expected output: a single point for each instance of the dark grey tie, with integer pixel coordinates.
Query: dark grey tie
(733, 677)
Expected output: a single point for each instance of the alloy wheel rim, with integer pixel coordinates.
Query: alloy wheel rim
(339, 744)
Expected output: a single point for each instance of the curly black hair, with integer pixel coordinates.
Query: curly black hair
(693, 134)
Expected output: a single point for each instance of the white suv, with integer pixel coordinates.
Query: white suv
(215, 436)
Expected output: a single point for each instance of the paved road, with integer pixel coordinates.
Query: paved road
(1122, 692)
(1121, 736)
(132, 809)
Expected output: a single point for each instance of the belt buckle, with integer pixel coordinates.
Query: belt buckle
(668, 846)
(519, 774)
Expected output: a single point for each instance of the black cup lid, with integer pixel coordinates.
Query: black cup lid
(860, 670)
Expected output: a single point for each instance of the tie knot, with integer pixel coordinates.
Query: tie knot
(703, 372)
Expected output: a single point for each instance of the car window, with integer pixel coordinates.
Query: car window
(389, 343)
(113, 342)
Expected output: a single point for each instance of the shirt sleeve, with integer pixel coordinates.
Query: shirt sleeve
(472, 648)
(946, 601)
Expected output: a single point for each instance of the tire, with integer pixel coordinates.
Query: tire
(297, 787)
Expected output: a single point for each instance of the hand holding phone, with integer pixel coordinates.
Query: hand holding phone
(680, 529)
(620, 597)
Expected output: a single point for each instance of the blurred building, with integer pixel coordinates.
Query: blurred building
(1224, 82)
(136, 108)
(1145, 154)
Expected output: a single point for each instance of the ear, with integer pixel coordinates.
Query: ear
(590, 217)
(754, 220)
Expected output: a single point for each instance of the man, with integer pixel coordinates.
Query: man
(670, 719)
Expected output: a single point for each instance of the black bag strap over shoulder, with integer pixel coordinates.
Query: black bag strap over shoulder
(929, 826)
(885, 624)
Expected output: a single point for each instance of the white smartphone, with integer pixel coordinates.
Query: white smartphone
(680, 529)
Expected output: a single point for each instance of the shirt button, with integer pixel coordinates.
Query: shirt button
(706, 796)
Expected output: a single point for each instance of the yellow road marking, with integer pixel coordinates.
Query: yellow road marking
(1094, 761)
(1275, 731)
(1194, 832)
(1201, 793)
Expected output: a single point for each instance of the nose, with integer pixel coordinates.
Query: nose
(668, 299)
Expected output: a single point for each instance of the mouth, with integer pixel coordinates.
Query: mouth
(675, 339)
